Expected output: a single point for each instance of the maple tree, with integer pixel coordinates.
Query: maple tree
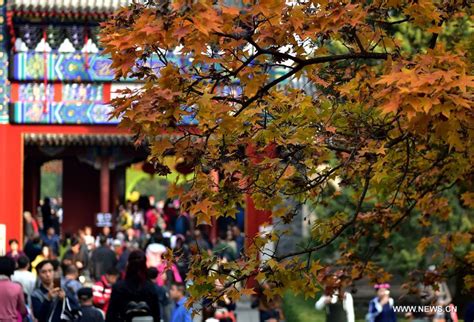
(275, 99)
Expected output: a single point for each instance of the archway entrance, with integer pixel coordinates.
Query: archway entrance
(86, 171)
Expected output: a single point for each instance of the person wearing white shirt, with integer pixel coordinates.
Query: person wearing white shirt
(88, 238)
(24, 277)
(335, 310)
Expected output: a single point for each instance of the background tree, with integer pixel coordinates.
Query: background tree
(285, 96)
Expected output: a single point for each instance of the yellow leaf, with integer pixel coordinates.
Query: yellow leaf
(247, 291)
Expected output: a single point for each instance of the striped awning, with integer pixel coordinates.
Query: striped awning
(54, 139)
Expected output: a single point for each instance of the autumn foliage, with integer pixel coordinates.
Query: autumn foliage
(276, 99)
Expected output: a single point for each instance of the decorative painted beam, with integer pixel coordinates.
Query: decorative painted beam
(3, 66)
(62, 92)
(72, 67)
(60, 113)
(68, 103)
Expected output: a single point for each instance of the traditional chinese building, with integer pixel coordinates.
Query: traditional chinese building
(55, 87)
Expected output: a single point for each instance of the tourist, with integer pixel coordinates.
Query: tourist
(151, 218)
(51, 239)
(64, 244)
(83, 249)
(26, 278)
(336, 310)
(137, 218)
(12, 299)
(182, 256)
(167, 273)
(89, 239)
(46, 214)
(56, 222)
(15, 251)
(108, 236)
(200, 243)
(269, 308)
(50, 301)
(102, 259)
(170, 212)
(180, 312)
(183, 223)
(30, 226)
(76, 255)
(443, 299)
(129, 207)
(381, 306)
(102, 289)
(124, 220)
(44, 255)
(161, 224)
(134, 288)
(165, 307)
(131, 236)
(121, 252)
(33, 247)
(59, 210)
(239, 239)
(71, 284)
(88, 312)
(224, 248)
(469, 312)
(224, 307)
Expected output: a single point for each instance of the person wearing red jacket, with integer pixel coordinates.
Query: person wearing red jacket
(102, 289)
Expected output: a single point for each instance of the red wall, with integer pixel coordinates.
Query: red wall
(11, 167)
(11, 183)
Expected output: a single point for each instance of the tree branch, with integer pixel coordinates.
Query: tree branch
(300, 66)
(343, 227)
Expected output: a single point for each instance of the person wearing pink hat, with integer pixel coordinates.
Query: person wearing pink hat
(381, 306)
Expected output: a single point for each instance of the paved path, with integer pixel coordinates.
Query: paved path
(244, 313)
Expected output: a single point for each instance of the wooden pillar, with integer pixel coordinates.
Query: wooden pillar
(31, 187)
(104, 185)
(117, 188)
(254, 219)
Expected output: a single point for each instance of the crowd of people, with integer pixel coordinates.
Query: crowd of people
(119, 272)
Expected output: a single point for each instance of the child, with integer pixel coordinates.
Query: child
(381, 306)
(89, 312)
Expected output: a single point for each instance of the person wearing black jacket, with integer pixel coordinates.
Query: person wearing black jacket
(47, 214)
(163, 298)
(102, 259)
(134, 288)
(89, 312)
(52, 303)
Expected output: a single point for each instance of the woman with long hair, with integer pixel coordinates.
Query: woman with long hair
(134, 293)
(46, 253)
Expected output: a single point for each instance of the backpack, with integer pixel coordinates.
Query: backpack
(138, 312)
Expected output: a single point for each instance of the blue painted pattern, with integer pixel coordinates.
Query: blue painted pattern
(3, 66)
(61, 113)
